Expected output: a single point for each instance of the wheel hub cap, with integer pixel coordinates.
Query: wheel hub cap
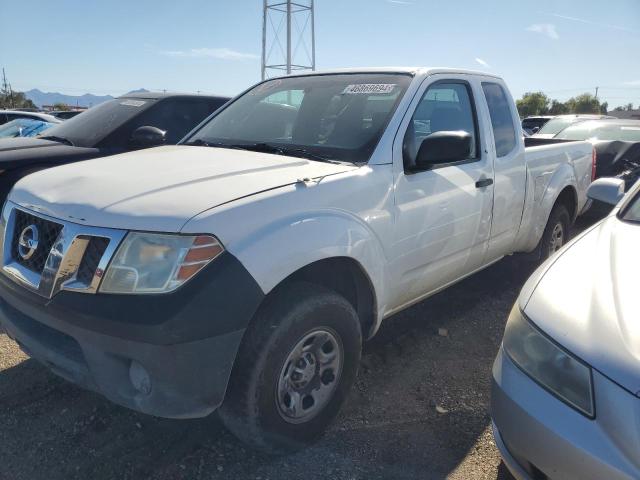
(557, 238)
(309, 376)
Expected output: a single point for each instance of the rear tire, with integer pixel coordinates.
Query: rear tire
(294, 369)
(556, 233)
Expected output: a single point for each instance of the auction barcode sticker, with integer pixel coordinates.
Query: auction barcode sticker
(133, 103)
(369, 88)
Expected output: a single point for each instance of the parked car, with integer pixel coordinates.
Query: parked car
(120, 125)
(560, 122)
(565, 381)
(532, 124)
(243, 268)
(9, 115)
(24, 127)
(617, 143)
(65, 114)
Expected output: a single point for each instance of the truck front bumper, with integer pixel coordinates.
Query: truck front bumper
(165, 355)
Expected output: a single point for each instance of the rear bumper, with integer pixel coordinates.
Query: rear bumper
(173, 362)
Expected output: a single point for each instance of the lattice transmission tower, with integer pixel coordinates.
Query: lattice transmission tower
(288, 37)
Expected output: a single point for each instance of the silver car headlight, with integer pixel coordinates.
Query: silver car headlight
(158, 263)
(547, 363)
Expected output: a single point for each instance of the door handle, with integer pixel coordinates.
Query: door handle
(484, 182)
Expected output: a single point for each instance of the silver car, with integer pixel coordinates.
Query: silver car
(566, 381)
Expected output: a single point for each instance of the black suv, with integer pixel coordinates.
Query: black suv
(126, 123)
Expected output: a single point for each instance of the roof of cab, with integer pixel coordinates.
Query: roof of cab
(160, 95)
(406, 70)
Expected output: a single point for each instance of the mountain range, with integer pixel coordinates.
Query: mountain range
(41, 98)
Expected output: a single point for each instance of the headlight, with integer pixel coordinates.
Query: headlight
(158, 263)
(549, 364)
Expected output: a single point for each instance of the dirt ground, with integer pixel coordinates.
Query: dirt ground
(419, 410)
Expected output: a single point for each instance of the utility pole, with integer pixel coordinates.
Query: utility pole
(5, 88)
(597, 92)
(296, 18)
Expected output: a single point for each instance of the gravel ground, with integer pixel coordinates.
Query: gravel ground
(419, 409)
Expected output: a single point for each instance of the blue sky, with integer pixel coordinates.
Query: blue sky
(563, 47)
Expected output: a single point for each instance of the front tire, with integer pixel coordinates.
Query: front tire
(294, 369)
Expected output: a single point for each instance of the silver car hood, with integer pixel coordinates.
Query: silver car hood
(588, 300)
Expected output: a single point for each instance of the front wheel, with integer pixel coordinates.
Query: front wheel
(294, 369)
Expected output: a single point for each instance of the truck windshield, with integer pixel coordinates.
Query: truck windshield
(337, 117)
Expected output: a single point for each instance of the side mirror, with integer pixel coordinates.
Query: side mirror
(607, 190)
(443, 147)
(147, 136)
(534, 130)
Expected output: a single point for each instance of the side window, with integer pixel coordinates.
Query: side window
(445, 106)
(504, 132)
(175, 115)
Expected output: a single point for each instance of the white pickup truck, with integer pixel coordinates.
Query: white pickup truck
(243, 268)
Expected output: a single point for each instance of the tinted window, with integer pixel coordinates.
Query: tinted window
(338, 116)
(443, 107)
(90, 127)
(504, 133)
(632, 211)
(176, 115)
(605, 130)
(557, 125)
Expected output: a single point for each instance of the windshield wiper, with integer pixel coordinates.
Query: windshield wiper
(198, 142)
(268, 148)
(283, 150)
(57, 139)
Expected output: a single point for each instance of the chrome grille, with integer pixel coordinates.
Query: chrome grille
(68, 256)
(91, 259)
(49, 232)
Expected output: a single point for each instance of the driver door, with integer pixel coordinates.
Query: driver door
(443, 214)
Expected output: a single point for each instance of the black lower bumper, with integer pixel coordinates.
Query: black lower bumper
(175, 363)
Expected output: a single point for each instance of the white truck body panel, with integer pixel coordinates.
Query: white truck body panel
(412, 234)
(159, 189)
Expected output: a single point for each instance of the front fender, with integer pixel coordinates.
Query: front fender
(279, 249)
(543, 190)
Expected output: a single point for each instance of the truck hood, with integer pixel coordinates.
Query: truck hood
(159, 189)
(588, 301)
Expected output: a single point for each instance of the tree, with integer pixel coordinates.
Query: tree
(533, 103)
(61, 106)
(558, 108)
(10, 99)
(585, 103)
(629, 107)
(604, 107)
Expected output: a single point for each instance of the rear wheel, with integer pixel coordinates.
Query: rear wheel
(556, 233)
(294, 369)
